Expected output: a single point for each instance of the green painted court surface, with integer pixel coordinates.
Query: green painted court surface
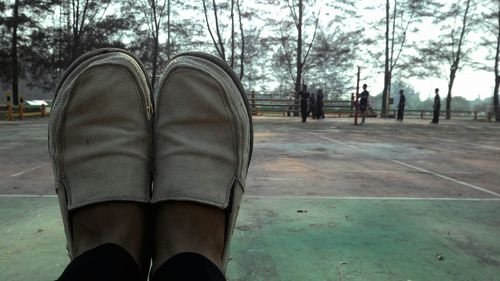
(324, 201)
(330, 239)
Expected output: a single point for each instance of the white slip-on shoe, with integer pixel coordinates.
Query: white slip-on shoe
(100, 133)
(202, 136)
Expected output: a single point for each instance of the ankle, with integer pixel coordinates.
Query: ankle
(188, 227)
(120, 223)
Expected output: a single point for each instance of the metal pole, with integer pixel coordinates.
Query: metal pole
(357, 97)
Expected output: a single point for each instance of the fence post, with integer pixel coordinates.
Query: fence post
(357, 98)
(421, 114)
(475, 115)
(9, 108)
(253, 100)
(21, 108)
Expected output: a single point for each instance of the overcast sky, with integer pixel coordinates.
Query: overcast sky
(469, 83)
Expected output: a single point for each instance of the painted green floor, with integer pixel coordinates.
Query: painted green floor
(302, 239)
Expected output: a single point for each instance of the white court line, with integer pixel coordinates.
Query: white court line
(26, 171)
(421, 169)
(303, 197)
(372, 198)
(27, 196)
(448, 178)
(277, 179)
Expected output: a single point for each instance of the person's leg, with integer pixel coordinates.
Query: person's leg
(203, 141)
(178, 228)
(121, 223)
(188, 266)
(107, 262)
(100, 146)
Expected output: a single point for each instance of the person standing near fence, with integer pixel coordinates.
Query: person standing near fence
(363, 103)
(304, 96)
(401, 105)
(320, 114)
(436, 106)
(312, 107)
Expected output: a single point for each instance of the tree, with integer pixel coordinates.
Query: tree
(216, 29)
(310, 42)
(398, 20)
(21, 23)
(450, 48)
(496, 105)
(491, 40)
(153, 14)
(79, 21)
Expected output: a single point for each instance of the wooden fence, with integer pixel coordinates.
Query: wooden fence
(346, 108)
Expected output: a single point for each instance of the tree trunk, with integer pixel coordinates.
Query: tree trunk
(298, 77)
(232, 35)
(168, 31)
(450, 87)
(387, 80)
(15, 72)
(496, 107)
(242, 53)
(155, 60)
(456, 61)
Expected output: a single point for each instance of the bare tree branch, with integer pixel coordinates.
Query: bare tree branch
(210, 30)
(314, 37)
(242, 54)
(219, 36)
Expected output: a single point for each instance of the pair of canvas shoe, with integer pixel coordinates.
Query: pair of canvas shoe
(108, 142)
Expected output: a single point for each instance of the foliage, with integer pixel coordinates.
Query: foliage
(260, 39)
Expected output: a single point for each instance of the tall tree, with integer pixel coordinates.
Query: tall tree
(21, 23)
(152, 17)
(450, 49)
(399, 16)
(315, 44)
(79, 22)
(496, 105)
(226, 40)
(457, 49)
(490, 21)
(13, 56)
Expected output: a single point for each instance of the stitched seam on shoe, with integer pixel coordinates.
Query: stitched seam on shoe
(115, 198)
(192, 197)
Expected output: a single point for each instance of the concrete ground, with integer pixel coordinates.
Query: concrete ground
(325, 200)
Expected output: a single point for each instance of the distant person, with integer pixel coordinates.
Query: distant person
(363, 103)
(320, 114)
(401, 105)
(312, 107)
(436, 106)
(304, 96)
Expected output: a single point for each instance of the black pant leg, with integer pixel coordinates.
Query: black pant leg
(108, 262)
(303, 112)
(186, 267)
(435, 119)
